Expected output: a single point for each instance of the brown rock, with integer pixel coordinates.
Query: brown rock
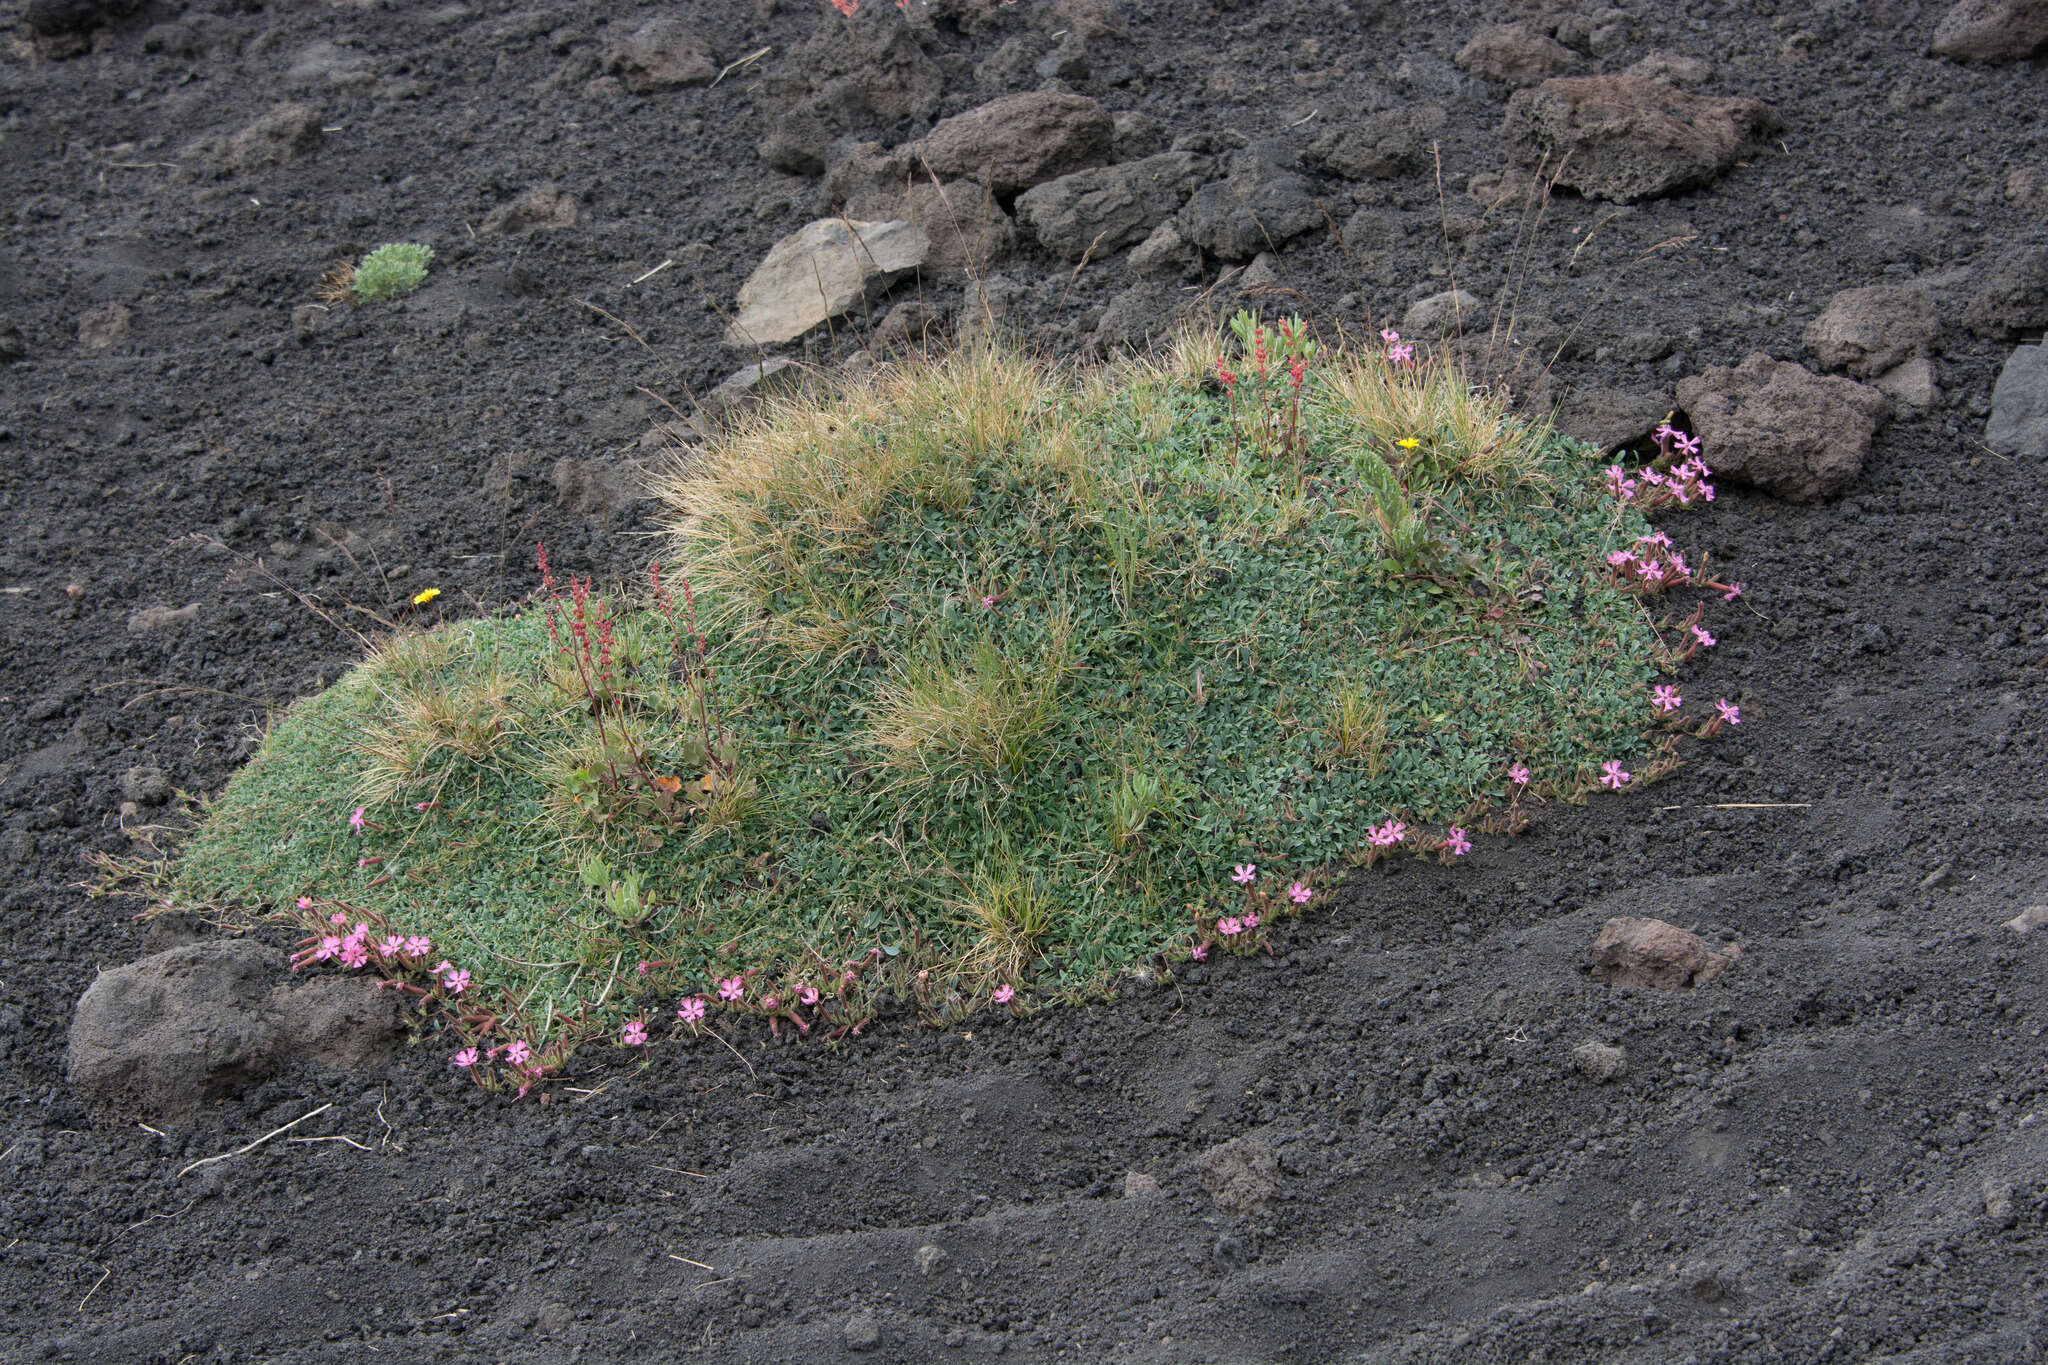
(544, 206)
(1514, 54)
(1992, 30)
(1649, 952)
(103, 327)
(1626, 137)
(1780, 427)
(1870, 330)
(664, 53)
(279, 136)
(1018, 141)
(1241, 1175)
(968, 231)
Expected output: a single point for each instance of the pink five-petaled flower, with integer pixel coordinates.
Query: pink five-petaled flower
(634, 1034)
(457, 981)
(1665, 698)
(338, 917)
(1389, 335)
(1519, 775)
(1244, 873)
(691, 1011)
(1004, 994)
(305, 902)
(356, 822)
(1730, 712)
(1299, 894)
(1619, 483)
(391, 946)
(1401, 355)
(1229, 928)
(418, 945)
(988, 603)
(1250, 920)
(1456, 842)
(809, 995)
(1688, 445)
(354, 952)
(465, 1058)
(517, 1052)
(1200, 952)
(732, 988)
(1612, 776)
(1700, 633)
(773, 1002)
(1731, 592)
(1387, 835)
(1620, 559)
(329, 947)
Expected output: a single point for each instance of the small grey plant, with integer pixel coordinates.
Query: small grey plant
(391, 270)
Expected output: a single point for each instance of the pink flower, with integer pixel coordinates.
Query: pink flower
(1730, 712)
(422, 805)
(338, 918)
(1733, 591)
(1688, 445)
(1519, 775)
(988, 603)
(1401, 355)
(1619, 484)
(354, 953)
(634, 1034)
(1612, 776)
(809, 995)
(641, 968)
(517, 1052)
(1679, 568)
(1299, 894)
(1656, 538)
(444, 965)
(392, 946)
(1665, 698)
(691, 1011)
(1620, 559)
(466, 1058)
(1229, 928)
(773, 1002)
(1387, 835)
(1706, 640)
(1456, 842)
(1244, 873)
(1004, 994)
(1250, 920)
(456, 981)
(732, 988)
(1652, 571)
(1389, 335)
(329, 947)
(305, 902)
(418, 945)
(1200, 952)
(355, 822)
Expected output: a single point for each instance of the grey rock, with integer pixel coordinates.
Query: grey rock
(147, 786)
(1444, 314)
(1017, 141)
(598, 488)
(862, 1332)
(1669, 66)
(51, 18)
(1139, 1185)
(819, 272)
(12, 346)
(1514, 54)
(168, 1034)
(1378, 146)
(1165, 255)
(862, 170)
(985, 307)
(151, 620)
(1600, 1062)
(797, 141)
(1136, 316)
(328, 64)
(1992, 30)
(1873, 329)
(664, 53)
(1241, 1175)
(929, 1260)
(1262, 273)
(544, 206)
(1782, 428)
(2013, 296)
(1612, 418)
(2019, 405)
(2028, 920)
(1137, 135)
(1110, 207)
(1262, 204)
(2027, 187)
(1910, 385)
(1624, 137)
(1650, 952)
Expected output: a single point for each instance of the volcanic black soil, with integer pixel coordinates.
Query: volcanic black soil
(1837, 1151)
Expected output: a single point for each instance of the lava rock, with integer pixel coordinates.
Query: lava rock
(1649, 952)
(146, 786)
(664, 53)
(1165, 255)
(1110, 207)
(282, 135)
(598, 488)
(2013, 297)
(1626, 137)
(1871, 330)
(1013, 143)
(1780, 427)
(819, 272)
(2019, 405)
(969, 232)
(1600, 1062)
(1138, 1185)
(1444, 314)
(1378, 146)
(1261, 204)
(1241, 1176)
(104, 327)
(544, 206)
(151, 620)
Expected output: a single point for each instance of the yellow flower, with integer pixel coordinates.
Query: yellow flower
(420, 599)
(1407, 443)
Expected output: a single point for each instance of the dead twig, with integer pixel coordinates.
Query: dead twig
(252, 1146)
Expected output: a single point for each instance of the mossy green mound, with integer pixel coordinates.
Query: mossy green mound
(1002, 669)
